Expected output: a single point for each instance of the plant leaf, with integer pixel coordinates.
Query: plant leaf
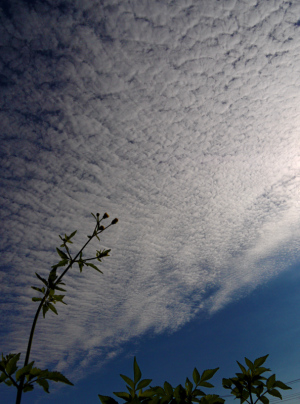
(51, 307)
(264, 400)
(36, 299)
(243, 369)
(38, 289)
(226, 383)
(143, 383)
(11, 366)
(168, 389)
(275, 393)
(61, 289)
(260, 370)
(45, 309)
(28, 387)
(62, 254)
(107, 400)
(207, 384)
(198, 392)
(270, 382)
(70, 236)
(281, 385)
(136, 371)
(43, 383)
(128, 381)
(61, 263)
(93, 266)
(58, 377)
(249, 364)
(123, 395)
(259, 361)
(41, 279)
(188, 386)
(196, 376)
(24, 370)
(208, 374)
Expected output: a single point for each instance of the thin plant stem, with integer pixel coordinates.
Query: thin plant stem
(22, 379)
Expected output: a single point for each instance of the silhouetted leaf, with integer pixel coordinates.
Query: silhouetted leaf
(28, 387)
(275, 393)
(198, 392)
(261, 370)
(58, 377)
(45, 309)
(123, 395)
(270, 381)
(38, 289)
(136, 371)
(128, 381)
(179, 394)
(143, 383)
(11, 366)
(61, 289)
(93, 266)
(107, 400)
(51, 307)
(24, 370)
(42, 279)
(243, 369)
(259, 389)
(43, 383)
(206, 384)
(259, 361)
(196, 376)
(147, 393)
(70, 236)
(131, 391)
(208, 374)
(61, 263)
(36, 299)
(62, 254)
(226, 383)
(168, 389)
(188, 386)
(249, 364)
(281, 385)
(3, 377)
(264, 400)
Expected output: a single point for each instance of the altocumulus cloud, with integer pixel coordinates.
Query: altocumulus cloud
(179, 117)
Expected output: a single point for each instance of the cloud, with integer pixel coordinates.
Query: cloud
(181, 119)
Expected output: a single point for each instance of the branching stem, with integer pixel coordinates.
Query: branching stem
(72, 261)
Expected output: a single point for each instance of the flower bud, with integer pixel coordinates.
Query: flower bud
(115, 221)
(98, 214)
(101, 228)
(105, 216)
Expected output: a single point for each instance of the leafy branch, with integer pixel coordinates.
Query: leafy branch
(26, 376)
(166, 394)
(250, 383)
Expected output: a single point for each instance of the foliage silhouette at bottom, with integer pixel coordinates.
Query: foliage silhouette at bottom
(248, 386)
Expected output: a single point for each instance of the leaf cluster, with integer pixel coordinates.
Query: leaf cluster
(250, 382)
(166, 394)
(54, 283)
(49, 297)
(8, 367)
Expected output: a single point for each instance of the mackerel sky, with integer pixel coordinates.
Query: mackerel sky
(179, 117)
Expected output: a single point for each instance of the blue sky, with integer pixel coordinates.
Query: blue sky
(181, 118)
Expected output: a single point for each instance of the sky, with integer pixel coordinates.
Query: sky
(180, 118)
